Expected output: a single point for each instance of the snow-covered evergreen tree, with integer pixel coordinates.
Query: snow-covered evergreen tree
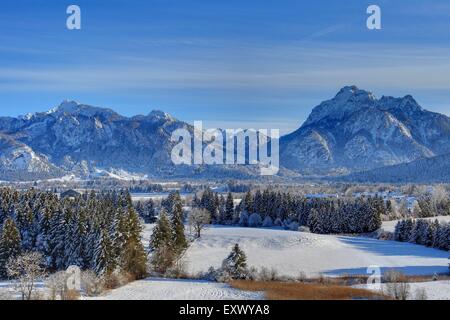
(161, 244)
(255, 220)
(243, 219)
(10, 244)
(235, 265)
(268, 222)
(179, 238)
(229, 209)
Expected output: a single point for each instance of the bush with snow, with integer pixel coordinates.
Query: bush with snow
(278, 222)
(304, 229)
(243, 219)
(255, 220)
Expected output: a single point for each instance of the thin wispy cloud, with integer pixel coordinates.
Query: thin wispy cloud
(267, 59)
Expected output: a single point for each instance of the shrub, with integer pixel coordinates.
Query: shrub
(396, 286)
(254, 220)
(304, 229)
(293, 226)
(268, 222)
(266, 274)
(278, 222)
(91, 284)
(398, 290)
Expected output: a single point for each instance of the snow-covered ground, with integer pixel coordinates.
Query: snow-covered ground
(435, 290)
(390, 225)
(167, 289)
(292, 253)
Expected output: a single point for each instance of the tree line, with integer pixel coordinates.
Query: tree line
(96, 231)
(425, 232)
(269, 208)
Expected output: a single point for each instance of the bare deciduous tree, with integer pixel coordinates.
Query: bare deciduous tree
(198, 219)
(26, 269)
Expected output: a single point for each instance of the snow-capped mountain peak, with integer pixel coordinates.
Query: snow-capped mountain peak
(348, 100)
(357, 131)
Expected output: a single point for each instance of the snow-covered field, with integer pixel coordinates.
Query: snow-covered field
(162, 289)
(291, 253)
(434, 290)
(390, 225)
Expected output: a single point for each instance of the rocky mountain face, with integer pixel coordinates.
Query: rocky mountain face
(355, 131)
(90, 142)
(80, 139)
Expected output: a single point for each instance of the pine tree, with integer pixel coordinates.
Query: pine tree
(179, 238)
(243, 219)
(161, 244)
(248, 202)
(103, 256)
(10, 244)
(229, 209)
(133, 258)
(235, 265)
(74, 242)
(56, 240)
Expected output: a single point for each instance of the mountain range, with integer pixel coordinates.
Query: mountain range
(352, 132)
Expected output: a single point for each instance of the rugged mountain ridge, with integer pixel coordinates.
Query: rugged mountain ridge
(356, 131)
(89, 142)
(79, 138)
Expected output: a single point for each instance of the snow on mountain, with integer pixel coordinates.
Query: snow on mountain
(356, 131)
(291, 253)
(95, 142)
(19, 160)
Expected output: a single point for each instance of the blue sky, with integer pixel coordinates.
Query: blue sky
(258, 64)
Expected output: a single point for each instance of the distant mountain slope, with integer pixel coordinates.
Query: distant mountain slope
(426, 170)
(90, 142)
(356, 131)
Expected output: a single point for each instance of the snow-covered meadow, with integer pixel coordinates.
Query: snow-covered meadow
(294, 253)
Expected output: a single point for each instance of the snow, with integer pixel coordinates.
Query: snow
(169, 289)
(118, 174)
(292, 253)
(389, 226)
(435, 290)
